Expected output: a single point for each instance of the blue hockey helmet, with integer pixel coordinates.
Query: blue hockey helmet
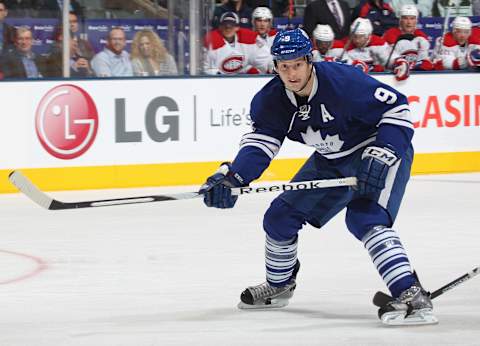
(291, 44)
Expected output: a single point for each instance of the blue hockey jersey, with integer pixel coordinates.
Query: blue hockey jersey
(346, 110)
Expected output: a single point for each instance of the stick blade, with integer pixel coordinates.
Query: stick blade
(25, 186)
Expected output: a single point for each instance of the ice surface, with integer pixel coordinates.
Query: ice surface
(170, 273)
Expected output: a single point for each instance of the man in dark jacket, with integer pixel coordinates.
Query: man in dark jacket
(380, 14)
(335, 13)
(7, 32)
(243, 11)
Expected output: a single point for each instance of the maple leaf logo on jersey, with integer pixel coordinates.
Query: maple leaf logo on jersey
(330, 144)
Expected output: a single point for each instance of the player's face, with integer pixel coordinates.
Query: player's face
(461, 35)
(408, 24)
(228, 30)
(145, 46)
(360, 41)
(294, 73)
(262, 26)
(323, 46)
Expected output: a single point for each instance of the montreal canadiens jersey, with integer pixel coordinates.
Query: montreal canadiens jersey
(346, 110)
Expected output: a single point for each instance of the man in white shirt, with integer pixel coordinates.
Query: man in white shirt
(114, 60)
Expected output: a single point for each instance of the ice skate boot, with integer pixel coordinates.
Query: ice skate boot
(265, 296)
(412, 307)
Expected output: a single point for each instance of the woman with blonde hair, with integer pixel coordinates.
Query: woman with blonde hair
(150, 57)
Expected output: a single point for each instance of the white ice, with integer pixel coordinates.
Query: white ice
(170, 273)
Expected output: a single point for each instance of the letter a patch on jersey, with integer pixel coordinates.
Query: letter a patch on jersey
(326, 116)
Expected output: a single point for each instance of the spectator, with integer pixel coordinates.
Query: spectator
(262, 20)
(423, 6)
(20, 8)
(230, 49)
(243, 11)
(381, 15)
(326, 48)
(457, 8)
(21, 62)
(84, 48)
(150, 57)
(114, 60)
(335, 13)
(410, 42)
(457, 48)
(7, 32)
(53, 8)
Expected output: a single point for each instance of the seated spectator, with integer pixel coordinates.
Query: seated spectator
(410, 42)
(262, 20)
(239, 7)
(458, 49)
(423, 6)
(230, 49)
(150, 57)
(381, 15)
(371, 53)
(326, 48)
(21, 62)
(84, 48)
(113, 60)
(79, 65)
(335, 13)
(456, 8)
(20, 8)
(7, 32)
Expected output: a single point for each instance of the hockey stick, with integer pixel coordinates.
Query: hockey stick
(381, 299)
(47, 202)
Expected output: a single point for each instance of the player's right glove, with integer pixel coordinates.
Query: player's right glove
(217, 190)
(376, 162)
(473, 58)
(401, 69)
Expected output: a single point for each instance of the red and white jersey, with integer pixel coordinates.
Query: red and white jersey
(449, 55)
(413, 51)
(375, 54)
(222, 57)
(333, 54)
(263, 57)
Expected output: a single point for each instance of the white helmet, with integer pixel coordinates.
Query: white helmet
(409, 10)
(361, 26)
(323, 32)
(262, 13)
(462, 23)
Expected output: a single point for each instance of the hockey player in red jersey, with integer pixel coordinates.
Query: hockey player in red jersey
(410, 42)
(460, 48)
(372, 52)
(262, 22)
(326, 48)
(230, 49)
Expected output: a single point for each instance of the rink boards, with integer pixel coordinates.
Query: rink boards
(174, 131)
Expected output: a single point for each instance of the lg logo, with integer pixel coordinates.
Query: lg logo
(66, 121)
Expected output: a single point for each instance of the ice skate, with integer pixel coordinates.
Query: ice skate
(413, 307)
(265, 296)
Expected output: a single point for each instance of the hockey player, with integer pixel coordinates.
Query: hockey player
(410, 42)
(230, 49)
(262, 22)
(459, 49)
(325, 47)
(372, 52)
(366, 133)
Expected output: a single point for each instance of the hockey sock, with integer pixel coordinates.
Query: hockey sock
(390, 258)
(280, 260)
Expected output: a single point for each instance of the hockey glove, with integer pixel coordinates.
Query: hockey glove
(474, 58)
(423, 65)
(362, 65)
(217, 191)
(401, 69)
(376, 162)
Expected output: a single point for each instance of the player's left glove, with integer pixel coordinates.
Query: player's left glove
(401, 69)
(473, 58)
(376, 162)
(217, 190)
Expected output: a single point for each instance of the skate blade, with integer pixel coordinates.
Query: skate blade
(276, 304)
(420, 317)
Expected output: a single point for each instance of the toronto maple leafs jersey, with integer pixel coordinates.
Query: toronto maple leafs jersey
(346, 110)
